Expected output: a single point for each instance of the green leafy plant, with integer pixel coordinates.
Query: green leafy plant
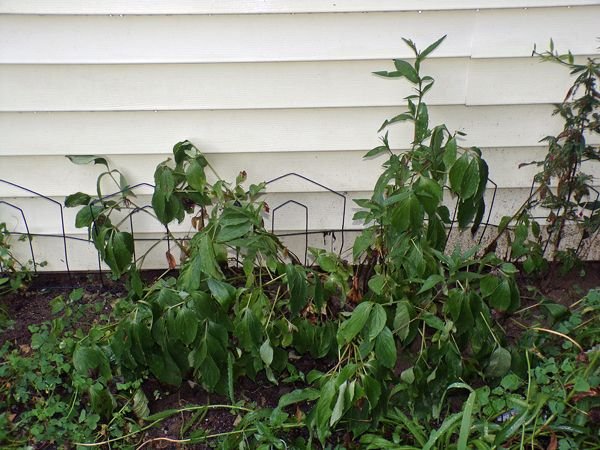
(436, 307)
(405, 349)
(14, 275)
(562, 188)
(55, 392)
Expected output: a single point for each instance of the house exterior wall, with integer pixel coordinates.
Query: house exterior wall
(269, 87)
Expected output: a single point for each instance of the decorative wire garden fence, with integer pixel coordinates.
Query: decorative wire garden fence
(336, 239)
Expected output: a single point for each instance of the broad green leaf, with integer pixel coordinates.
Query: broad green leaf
(430, 282)
(323, 409)
(467, 211)
(385, 349)
(408, 214)
(231, 232)
(338, 408)
(556, 310)
(208, 260)
(298, 287)
(457, 173)
(500, 299)
(454, 304)
(122, 249)
(406, 70)
(363, 242)
(297, 396)
(87, 359)
(327, 262)
(77, 199)
(422, 122)
(499, 363)
(164, 180)
(195, 176)
(187, 324)
(249, 330)
(433, 321)
(372, 389)
(470, 181)
(509, 268)
(408, 375)
(223, 292)
(159, 205)
(377, 320)
(449, 156)
(478, 215)
(190, 276)
(164, 368)
(101, 400)
(266, 353)
(140, 404)
(488, 285)
(87, 159)
(402, 320)
(376, 283)
(483, 177)
(197, 356)
(515, 296)
(444, 214)
(87, 215)
(429, 193)
(210, 373)
(354, 325)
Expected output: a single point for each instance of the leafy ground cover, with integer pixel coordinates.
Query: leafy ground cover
(416, 345)
(41, 408)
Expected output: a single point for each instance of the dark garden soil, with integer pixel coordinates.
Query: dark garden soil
(33, 307)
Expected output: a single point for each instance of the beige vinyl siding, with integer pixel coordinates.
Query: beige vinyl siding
(261, 6)
(269, 87)
(35, 39)
(344, 171)
(325, 84)
(260, 131)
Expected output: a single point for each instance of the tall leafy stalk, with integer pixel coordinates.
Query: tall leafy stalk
(561, 187)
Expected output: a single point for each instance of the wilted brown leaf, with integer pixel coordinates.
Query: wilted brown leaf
(171, 260)
(553, 444)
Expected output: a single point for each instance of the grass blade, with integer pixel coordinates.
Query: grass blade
(467, 420)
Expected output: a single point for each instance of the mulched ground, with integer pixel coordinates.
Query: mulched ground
(32, 307)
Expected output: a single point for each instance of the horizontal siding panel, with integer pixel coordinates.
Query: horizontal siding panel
(162, 39)
(290, 37)
(56, 176)
(238, 131)
(517, 81)
(220, 86)
(259, 6)
(505, 33)
(273, 85)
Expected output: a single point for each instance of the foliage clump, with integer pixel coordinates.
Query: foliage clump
(405, 350)
(562, 190)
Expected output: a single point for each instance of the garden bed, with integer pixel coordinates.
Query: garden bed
(96, 294)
